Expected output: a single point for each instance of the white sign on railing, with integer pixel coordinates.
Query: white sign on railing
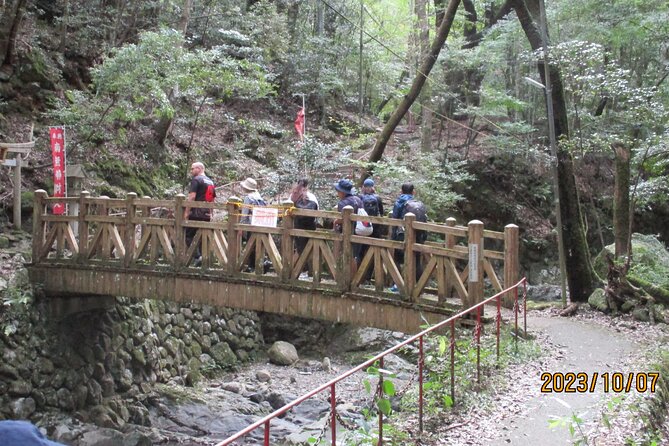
(264, 217)
(474, 262)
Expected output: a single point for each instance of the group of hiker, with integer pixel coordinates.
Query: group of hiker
(366, 203)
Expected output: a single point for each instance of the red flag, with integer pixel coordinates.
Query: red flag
(299, 123)
(57, 137)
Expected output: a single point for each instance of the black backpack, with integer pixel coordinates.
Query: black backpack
(303, 222)
(417, 208)
(371, 204)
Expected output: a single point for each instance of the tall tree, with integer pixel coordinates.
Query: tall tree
(418, 82)
(581, 277)
(425, 95)
(621, 199)
(9, 56)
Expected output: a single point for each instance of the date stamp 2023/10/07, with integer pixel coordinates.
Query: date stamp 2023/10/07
(582, 382)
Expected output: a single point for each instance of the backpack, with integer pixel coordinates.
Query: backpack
(371, 204)
(363, 228)
(303, 222)
(417, 208)
(256, 202)
(210, 193)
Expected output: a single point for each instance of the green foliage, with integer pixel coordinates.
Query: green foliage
(434, 179)
(157, 78)
(313, 159)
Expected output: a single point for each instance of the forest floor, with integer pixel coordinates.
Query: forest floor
(516, 412)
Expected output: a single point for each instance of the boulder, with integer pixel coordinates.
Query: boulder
(263, 376)
(223, 354)
(597, 300)
(283, 353)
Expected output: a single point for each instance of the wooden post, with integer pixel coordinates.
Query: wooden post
(234, 242)
(409, 257)
(475, 282)
(129, 239)
(511, 261)
(179, 233)
(345, 274)
(83, 226)
(287, 242)
(17, 192)
(38, 225)
(450, 244)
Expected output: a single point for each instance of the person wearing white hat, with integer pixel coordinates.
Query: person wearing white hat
(251, 198)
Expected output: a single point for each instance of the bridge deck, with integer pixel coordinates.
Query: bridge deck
(136, 248)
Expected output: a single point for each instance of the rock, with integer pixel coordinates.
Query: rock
(597, 300)
(20, 388)
(327, 366)
(125, 381)
(94, 395)
(9, 371)
(64, 399)
(101, 437)
(257, 397)
(4, 242)
(544, 293)
(137, 439)
(44, 366)
(283, 353)
(641, 314)
(223, 354)
(628, 306)
(263, 376)
(22, 408)
(233, 387)
(276, 400)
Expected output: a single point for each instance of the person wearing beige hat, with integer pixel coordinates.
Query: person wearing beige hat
(252, 198)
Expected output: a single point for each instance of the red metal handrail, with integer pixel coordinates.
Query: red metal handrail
(451, 320)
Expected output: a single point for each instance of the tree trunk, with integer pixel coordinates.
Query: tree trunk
(9, 59)
(417, 85)
(621, 199)
(184, 20)
(581, 277)
(425, 95)
(164, 127)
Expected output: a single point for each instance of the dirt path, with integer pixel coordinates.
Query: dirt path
(585, 347)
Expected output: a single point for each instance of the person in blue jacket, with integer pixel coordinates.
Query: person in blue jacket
(22, 433)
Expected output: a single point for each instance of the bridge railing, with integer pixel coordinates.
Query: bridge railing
(143, 233)
(475, 312)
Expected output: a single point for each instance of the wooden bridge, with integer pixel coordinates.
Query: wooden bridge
(135, 247)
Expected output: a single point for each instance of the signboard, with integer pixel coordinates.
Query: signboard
(264, 216)
(57, 138)
(474, 262)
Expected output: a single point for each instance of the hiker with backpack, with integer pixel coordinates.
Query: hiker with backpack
(303, 199)
(407, 203)
(373, 205)
(201, 189)
(251, 198)
(346, 196)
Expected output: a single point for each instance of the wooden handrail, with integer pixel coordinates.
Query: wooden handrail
(135, 239)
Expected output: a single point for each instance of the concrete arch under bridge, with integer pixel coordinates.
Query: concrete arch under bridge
(135, 247)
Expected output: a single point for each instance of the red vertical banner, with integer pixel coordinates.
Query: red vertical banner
(57, 138)
(299, 123)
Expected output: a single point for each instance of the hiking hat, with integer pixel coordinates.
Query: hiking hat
(368, 183)
(249, 185)
(344, 186)
(23, 433)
